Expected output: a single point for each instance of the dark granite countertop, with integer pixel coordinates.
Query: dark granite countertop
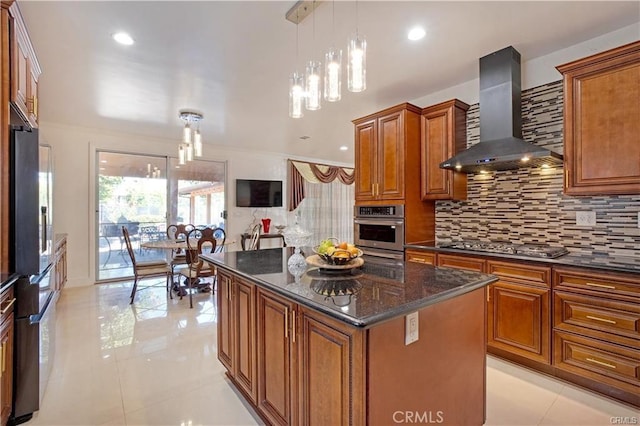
(379, 292)
(603, 262)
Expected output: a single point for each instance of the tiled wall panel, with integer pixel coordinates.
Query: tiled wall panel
(528, 206)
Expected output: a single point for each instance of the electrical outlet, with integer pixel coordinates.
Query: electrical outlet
(411, 328)
(586, 218)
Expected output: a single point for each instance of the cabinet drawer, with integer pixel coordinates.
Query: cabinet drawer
(6, 304)
(461, 262)
(418, 256)
(607, 363)
(625, 285)
(597, 316)
(527, 274)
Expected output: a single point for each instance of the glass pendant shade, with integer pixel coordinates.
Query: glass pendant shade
(333, 75)
(313, 92)
(357, 64)
(296, 95)
(189, 152)
(181, 155)
(186, 134)
(197, 144)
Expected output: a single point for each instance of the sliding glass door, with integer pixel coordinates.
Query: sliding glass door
(144, 194)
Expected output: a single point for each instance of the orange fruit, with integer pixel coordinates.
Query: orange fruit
(343, 245)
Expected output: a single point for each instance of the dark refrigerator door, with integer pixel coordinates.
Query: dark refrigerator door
(25, 232)
(34, 354)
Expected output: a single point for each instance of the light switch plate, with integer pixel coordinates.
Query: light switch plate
(586, 218)
(411, 328)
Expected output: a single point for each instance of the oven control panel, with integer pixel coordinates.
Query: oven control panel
(379, 211)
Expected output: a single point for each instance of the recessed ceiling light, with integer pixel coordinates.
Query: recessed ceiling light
(344, 148)
(103, 161)
(123, 38)
(416, 33)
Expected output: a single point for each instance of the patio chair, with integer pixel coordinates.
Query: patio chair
(141, 270)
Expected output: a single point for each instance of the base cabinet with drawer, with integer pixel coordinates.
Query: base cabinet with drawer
(596, 331)
(6, 354)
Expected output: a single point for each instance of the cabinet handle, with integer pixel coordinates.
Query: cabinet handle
(606, 364)
(417, 260)
(293, 325)
(566, 178)
(286, 322)
(228, 289)
(601, 285)
(488, 294)
(6, 308)
(601, 319)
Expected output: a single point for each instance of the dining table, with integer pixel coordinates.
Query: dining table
(178, 244)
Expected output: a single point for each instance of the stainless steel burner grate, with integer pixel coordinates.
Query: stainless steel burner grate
(531, 250)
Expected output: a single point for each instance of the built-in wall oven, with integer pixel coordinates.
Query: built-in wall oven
(379, 230)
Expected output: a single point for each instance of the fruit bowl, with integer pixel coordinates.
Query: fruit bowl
(338, 256)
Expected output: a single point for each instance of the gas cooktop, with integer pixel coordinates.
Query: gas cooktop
(531, 250)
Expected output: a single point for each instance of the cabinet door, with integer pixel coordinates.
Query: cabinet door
(443, 134)
(518, 320)
(461, 262)
(326, 371)
(225, 320)
(20, 69)
(276, 359)
(365, 160)
(390, 176)
(6, 368)
(601, 125)
(245, 338)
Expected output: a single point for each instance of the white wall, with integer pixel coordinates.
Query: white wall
(538, 71)
(74, 154)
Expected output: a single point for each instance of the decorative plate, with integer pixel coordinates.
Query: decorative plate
(315, 260)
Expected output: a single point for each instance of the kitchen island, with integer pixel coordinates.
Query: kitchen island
(318, 348)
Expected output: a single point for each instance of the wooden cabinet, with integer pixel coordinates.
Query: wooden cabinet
(60, 260)
(420, 256)
(277, 384)
(25, 70)
(329, 371)
(237, 331)
(601, 125)
(443, 135)
(226, 329)
(519, 310)
(387, 145)
(462, 262)
(596, 329)
(6, 354)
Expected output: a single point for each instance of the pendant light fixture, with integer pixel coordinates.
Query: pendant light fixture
(357, 62)
(333, 67)
(296, 86)
(313, 77)
(191, 145)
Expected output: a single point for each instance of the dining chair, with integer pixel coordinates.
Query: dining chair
(152, 268)
(199, 241)
(220, 237)
(176, 232)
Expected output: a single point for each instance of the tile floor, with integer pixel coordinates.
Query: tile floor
(154, 363)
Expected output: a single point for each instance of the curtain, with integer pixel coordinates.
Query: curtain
(300, 171)
(327, 211)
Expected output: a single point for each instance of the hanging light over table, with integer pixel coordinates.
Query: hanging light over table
(191, 145)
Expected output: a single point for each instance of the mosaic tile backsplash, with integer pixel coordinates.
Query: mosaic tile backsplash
(528, 205)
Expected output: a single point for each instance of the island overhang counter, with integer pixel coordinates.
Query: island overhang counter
(315, 348)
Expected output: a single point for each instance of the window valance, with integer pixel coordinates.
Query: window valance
(299, 171)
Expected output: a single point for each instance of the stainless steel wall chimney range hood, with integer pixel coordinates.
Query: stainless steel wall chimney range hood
(501, 146)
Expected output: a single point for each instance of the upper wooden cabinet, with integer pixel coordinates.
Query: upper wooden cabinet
(25, 70)
(387, 143)
(602, 123)
(444, 134)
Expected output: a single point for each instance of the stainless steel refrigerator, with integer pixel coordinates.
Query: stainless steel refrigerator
(32, 236)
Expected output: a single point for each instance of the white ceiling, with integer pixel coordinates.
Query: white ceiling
(231, 61)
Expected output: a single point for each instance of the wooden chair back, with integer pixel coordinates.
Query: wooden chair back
(177, 231)
(220, 237)
(254, 239)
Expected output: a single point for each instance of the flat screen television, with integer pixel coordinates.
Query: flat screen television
(258, 193)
